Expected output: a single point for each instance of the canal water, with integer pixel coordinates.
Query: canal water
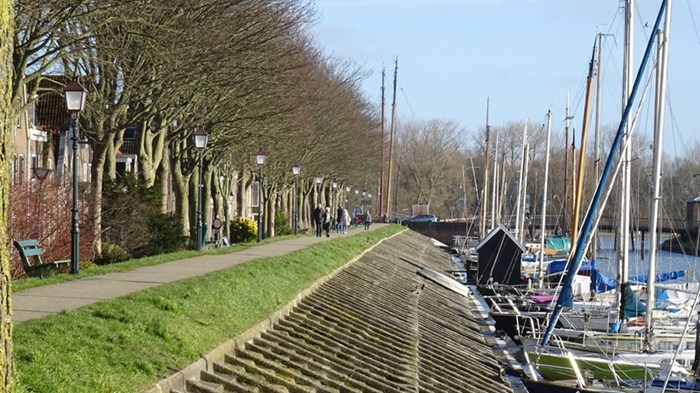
(665, 261)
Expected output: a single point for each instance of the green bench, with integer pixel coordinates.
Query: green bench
(30, 254)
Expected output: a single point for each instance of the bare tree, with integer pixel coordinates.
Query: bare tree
(7, 122)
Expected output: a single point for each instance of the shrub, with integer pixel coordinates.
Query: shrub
(128, 208)
(165, 235)
(243, 230)
(281, 224)
(111, 253)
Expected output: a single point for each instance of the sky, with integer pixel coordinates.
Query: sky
(524, 56)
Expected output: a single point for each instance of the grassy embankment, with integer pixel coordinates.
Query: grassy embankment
(127, 344)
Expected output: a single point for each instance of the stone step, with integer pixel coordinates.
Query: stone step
(235, 374)
(228, 383)
(195, 386)
(278, 372)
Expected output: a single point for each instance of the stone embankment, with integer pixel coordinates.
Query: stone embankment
(375, 325)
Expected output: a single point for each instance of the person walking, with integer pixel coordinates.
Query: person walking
(338, 217)
(344, 221)
(318, 220)
(327, 218)
(367, 219)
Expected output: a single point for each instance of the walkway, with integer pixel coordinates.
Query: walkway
(51, 299)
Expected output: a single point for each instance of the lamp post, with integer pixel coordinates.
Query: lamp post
(362, 205)
(296, 170)
(319, 180)
(347, 192)
(75, 95)
(260, 157)
(200, 142)
(40, 174)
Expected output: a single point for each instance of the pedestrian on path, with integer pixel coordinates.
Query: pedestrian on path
(318, 220)
(327, 218)
(344, 221)
(338, 217)
(367, 219)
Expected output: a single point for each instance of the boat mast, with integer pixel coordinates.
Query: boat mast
(565, 298)
(518, 234)
(578, 191)
(495, 184)
(661, 74)
(596, 140)
(626, 183)
(543, 219)
(381, 158)
(485, 197)
(392, 130)
(524, 196)
(566, 163)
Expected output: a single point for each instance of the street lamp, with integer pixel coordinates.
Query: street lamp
(319, 180)
(200, 142)
(260, 157)
(296, 170)
(347, 191)
(75, 95)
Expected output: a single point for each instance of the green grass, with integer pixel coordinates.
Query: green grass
(128, 344)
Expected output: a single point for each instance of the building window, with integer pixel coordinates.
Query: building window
(20, 169)
(130, 134)
(15, 166)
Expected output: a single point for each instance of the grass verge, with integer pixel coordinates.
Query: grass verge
(127, 344)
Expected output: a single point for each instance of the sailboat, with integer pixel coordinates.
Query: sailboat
(558, 362)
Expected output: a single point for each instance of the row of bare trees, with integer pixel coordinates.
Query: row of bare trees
(440, 164)
(246, 71)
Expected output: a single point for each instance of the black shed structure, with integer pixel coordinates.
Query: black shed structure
(499, 258)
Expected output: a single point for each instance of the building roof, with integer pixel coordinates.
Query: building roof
(51, 111)
(497, 230)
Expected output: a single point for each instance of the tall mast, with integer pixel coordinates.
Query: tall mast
(392, 131)
(526, 164)
(582, 152)
(624, 223)
(596, 139)
(518, 205)
(484, 199)
(543, 219)
(566, 163)
(381, 158)
(495, 184)
(661, 74)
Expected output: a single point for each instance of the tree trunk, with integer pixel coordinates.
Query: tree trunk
(152, 150)
(243, 185)
(7, 121)
(164, 173)
(180, 183)
(99, 158)
(206, 197)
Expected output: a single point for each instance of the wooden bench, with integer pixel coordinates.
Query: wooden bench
(30, 254)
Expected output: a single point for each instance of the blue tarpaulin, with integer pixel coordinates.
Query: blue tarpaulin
(600, 283)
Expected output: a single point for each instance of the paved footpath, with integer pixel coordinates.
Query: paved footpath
(51, 299)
